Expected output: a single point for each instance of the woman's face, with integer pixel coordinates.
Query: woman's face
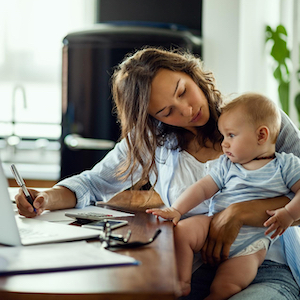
(177, 100)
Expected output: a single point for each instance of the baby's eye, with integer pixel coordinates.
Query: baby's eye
(231, 135)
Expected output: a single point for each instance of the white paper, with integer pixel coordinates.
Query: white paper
(58, 257)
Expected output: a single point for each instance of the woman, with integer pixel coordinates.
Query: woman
(168, 108)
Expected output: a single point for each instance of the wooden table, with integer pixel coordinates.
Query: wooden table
(155, 278)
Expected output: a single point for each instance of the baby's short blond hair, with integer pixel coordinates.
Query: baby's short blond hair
(259, 110)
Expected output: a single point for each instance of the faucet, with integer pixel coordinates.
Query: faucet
(13, 106)
(14, 140)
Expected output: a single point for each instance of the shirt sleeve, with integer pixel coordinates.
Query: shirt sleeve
(289, 137)
(219, 170)
(290, 166)
(101, 183)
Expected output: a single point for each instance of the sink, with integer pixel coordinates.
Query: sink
(35, 159)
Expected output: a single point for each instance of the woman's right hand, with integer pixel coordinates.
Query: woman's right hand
(40, 200)
(223, 230)
(58, 197)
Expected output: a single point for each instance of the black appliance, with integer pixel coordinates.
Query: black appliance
(89, 128)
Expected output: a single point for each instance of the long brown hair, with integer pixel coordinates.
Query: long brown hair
(131, 88)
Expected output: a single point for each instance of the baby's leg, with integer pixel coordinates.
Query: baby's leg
(189, 235)
(235, 274)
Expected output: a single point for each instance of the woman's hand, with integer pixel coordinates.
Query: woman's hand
(226, 225)
(169, 213)
(40, 200)
(58, 197)
(224, 228)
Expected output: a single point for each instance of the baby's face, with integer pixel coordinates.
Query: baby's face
(239, 136)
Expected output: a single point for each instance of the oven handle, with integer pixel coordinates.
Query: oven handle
(77, 142)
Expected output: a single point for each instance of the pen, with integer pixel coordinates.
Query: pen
(21, 183)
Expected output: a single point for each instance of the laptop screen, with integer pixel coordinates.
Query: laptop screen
(9, 233)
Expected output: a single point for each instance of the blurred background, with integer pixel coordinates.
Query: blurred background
(56, 58)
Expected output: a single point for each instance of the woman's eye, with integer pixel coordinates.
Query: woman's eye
(169, 113)
(182, 93)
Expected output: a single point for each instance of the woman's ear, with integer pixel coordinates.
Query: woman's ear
(262, 134)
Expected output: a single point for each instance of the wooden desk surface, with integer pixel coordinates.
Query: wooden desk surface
(155, 278)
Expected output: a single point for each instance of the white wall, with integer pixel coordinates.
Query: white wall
(220, 28)
(234, 44)
(295, 56)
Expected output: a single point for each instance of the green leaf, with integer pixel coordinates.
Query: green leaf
(297, 104)
(279, 50)
(281, 55)
(283, 90)
(269, 33)
(281, 29)
(277, 74)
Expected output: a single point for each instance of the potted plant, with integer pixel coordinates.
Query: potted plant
(281, 55)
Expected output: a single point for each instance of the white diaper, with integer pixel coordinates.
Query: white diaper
(254, 247)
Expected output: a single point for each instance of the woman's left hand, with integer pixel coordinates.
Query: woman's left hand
(224, 228)
(226, 225)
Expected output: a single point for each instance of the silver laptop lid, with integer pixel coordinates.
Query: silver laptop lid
(9, 233)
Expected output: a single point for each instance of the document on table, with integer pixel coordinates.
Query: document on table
(59, 257)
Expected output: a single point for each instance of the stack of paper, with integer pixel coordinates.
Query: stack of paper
(59, 257)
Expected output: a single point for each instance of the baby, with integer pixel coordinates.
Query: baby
(249, 169)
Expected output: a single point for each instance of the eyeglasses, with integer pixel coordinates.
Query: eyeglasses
(110, 240)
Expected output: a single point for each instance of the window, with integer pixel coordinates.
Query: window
(31, 34)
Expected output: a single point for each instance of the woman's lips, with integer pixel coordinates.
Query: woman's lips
(197, 117)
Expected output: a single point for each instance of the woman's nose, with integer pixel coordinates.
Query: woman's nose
(187, 111)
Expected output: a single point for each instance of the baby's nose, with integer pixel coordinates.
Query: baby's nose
(224, 144)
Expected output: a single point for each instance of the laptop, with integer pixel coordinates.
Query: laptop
(16, 230)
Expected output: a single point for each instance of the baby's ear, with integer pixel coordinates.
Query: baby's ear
(262, 134)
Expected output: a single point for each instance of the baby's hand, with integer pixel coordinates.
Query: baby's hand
(168, 213)
(279, 221)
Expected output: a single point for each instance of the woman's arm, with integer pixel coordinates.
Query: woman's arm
(226, 225)
(101, 183)
(52, 199)
(98, 184)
